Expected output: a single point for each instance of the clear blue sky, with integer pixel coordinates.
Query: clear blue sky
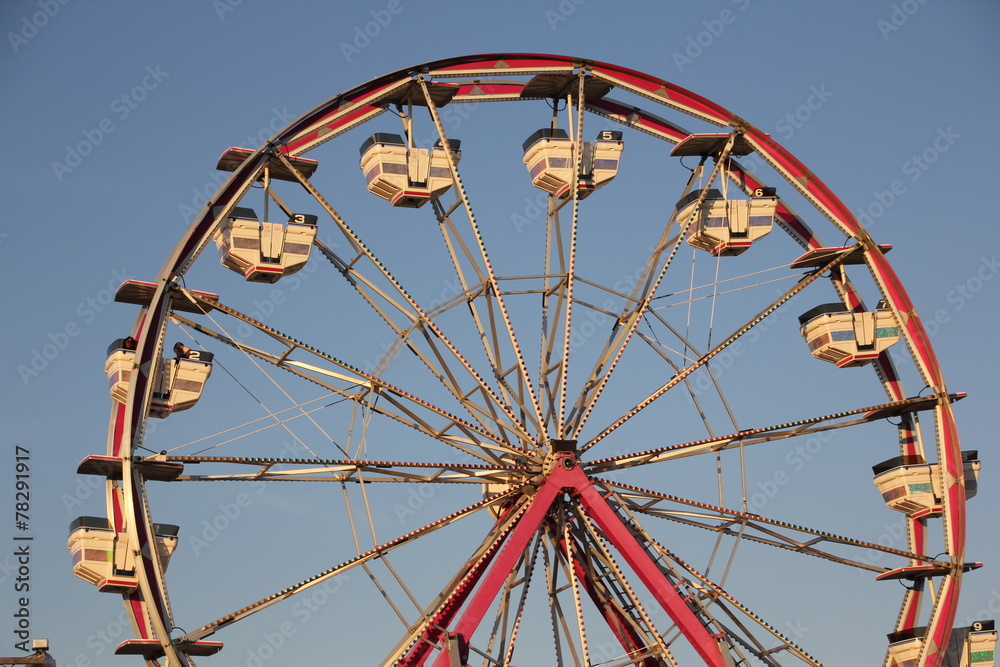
(891, 103)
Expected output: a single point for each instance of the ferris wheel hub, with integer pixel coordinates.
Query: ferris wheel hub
(561, 454)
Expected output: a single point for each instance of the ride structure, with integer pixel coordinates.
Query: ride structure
(557, 424)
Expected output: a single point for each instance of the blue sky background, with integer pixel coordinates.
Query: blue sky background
(155, 92)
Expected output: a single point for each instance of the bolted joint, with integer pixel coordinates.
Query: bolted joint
(555, 460)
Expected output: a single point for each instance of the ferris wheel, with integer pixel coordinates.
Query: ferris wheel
(584, 386)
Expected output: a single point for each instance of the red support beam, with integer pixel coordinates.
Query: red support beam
(568, 477)
(517, 542)
(435, 631)
(704, 642)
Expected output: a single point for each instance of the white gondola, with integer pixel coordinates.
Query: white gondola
(848, 338)
(904, 647)
(973, 646)
(407, 177)
(181, 381)
(119, 365)
(264, 252)
(910, 485)
(981, 645)
(726, 227)
(100, 555)
(548, 155)
(721, 225)
(178, 386)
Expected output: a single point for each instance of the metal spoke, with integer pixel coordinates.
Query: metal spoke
(347, 470)
(562, 426)
(704, 595)
(753, 527)
(487, 265)
(472, 293)
(551, 364)
(372, 554)
(642, 296)
(705, 358)
(772, 433)
(411, 310)
(363, 384)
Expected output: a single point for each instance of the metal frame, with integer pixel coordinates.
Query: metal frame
(516, 424)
